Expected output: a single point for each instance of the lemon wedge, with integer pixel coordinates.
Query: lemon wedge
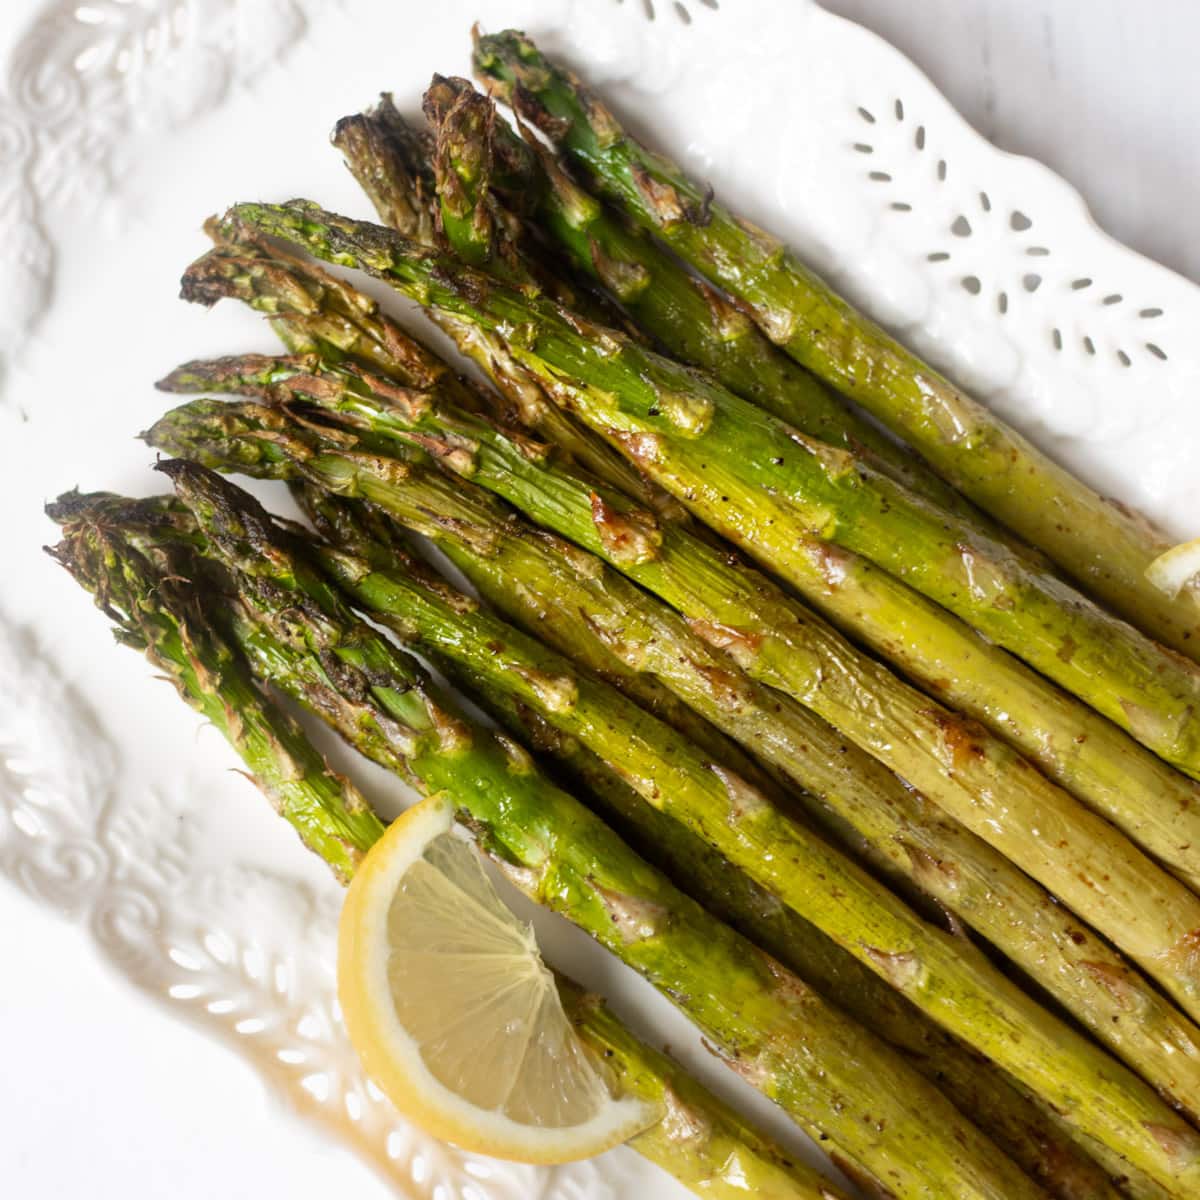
(452, 1011)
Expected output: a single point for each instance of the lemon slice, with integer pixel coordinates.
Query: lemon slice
(452, 1011)
(1175, 569)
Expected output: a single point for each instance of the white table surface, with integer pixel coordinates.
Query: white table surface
(1103, 91)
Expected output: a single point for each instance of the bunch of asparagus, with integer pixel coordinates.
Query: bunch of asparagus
(140, 561)
(968, 850)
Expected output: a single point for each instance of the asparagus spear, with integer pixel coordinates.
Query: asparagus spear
(313, 311)
(682, 312)
(462, 169)
(719, 454)
(102, 550)
(260, 373)
(973, 775)
(1087, 755)
(626, 638)
(1107, 548)
(392, 163)
(161, 615)
(950, 982)
(840, 498)
(1029, 1132)
(454, 182)
(701, 1141)
(1065, 1163)
(1000, 901)
(1157, 806)
(947, 977)
(832, 1077)
(295, 289)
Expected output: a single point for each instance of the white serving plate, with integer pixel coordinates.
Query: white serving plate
(124, 123)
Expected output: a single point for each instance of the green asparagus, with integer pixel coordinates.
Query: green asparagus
(952, 979)
(845, 500)
(462, 166)
(745, 700)
(313, 311)
(975, 776)
(1063, 1161)
(1154, 804)
(972, 880)
(473, 224)
(1035, 1138)
(763, 1022)
(390, 162)
(1107, 548)
(682, 312)
(160, 614)
(583, 608)
(940, 973)
(260, 373)
(701, 1141)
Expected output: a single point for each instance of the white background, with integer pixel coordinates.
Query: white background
(1102, 91)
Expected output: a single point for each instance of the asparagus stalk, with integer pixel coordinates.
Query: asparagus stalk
(975, 776)
(1105, 547)
(950, 982)
(701, 1141)
(1012, 601)
(462, 169)
(1157, 806)
(261, 373)
(590, 612)
(682, 312)
(393, 166)
(1064, 1162)
(942, 974)
(833, 1077)
(314, 312)
(718, 454)
(1032, 1134)
(161, 615)
(1000, 901)
(576, 604)
(388, 156)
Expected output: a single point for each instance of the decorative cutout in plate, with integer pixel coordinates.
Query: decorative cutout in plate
(899, 157)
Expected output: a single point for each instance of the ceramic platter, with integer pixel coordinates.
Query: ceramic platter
(123, 123)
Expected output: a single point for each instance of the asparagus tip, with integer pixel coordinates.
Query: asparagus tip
(217, 502)
(175, 469)
(232, 372)
(74, 505)
(62, 508)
